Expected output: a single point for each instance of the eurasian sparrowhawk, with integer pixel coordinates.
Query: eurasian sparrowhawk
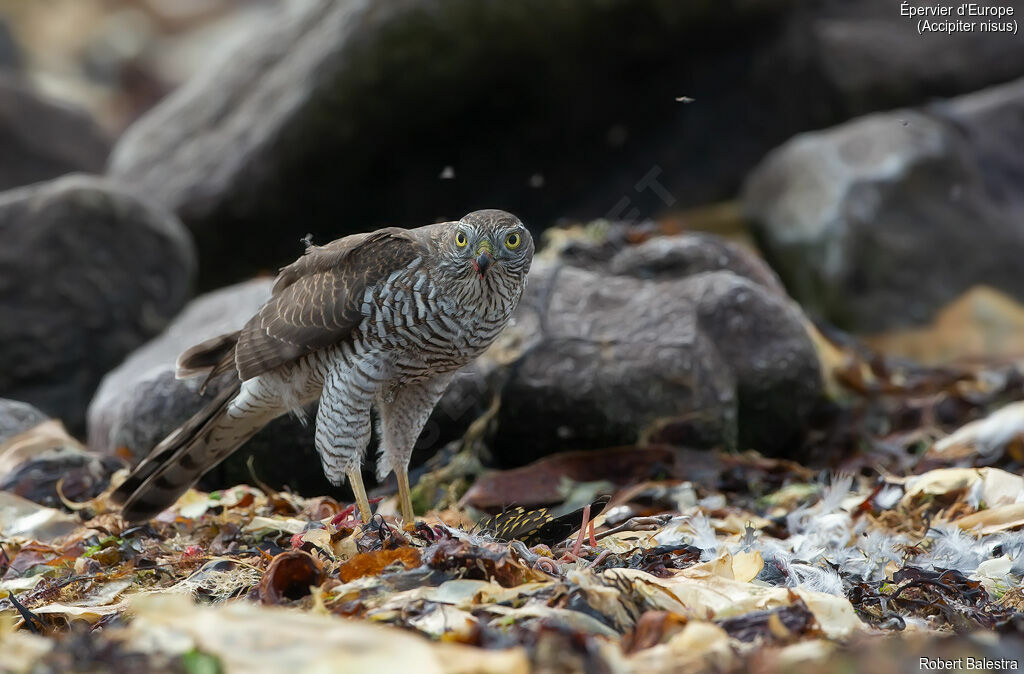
(377, 320)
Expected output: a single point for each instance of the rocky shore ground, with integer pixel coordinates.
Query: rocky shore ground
(776, 316)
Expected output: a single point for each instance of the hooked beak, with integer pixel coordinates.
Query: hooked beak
(484, 258)
(482, 263)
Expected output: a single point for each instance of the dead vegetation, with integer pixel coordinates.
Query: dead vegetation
(699, 561)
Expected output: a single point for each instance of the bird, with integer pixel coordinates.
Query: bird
(539, 527)
(378, 321)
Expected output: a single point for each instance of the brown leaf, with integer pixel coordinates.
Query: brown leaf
(992, 520)
(539, 483)
(481, 562)
(653, 628)
(289, 577)
(373, 563)
(320, 508)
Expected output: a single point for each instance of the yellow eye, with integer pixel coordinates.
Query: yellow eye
(513, 240)
(460, 240)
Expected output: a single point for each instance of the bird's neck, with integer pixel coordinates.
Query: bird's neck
(494, 294)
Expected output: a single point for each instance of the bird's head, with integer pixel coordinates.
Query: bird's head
(490, 245)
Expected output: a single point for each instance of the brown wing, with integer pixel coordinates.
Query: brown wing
(317, 300)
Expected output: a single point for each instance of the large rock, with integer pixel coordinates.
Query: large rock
(707, 357)
(881, 221)
(140, 402)
(43, 139)
(353, 109)
(87, 273)
(661, 257)
(992, 124)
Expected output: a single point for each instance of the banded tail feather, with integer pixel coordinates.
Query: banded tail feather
(536, 527)
(178, 461)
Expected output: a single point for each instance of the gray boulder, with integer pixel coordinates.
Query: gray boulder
(87, 273)
(43, 139)
(701, 357)
(663, 257)
(991, 123)
(878, 223)
(354, 110)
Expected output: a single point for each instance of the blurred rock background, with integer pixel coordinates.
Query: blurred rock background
(749, 168)
(117, 58)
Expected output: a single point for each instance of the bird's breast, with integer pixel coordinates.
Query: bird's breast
(429, 325)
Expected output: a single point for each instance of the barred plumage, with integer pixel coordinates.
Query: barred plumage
(536, 527)
(371, 321)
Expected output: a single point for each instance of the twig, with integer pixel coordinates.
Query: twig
(30, 618)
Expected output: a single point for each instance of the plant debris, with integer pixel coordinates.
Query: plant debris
(694, 561)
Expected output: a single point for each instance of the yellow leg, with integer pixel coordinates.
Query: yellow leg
(404, 497)
(355, 478)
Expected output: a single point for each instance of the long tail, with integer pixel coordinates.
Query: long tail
(180, 460)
